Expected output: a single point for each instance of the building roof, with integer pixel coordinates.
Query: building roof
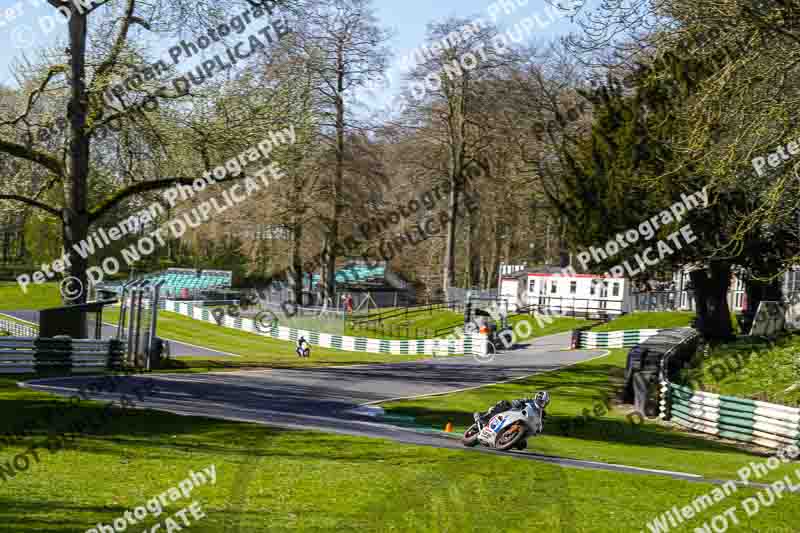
(550, 271)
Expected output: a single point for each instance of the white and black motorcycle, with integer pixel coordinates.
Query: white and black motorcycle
(509, 428)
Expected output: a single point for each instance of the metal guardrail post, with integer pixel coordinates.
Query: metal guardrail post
(154, 308)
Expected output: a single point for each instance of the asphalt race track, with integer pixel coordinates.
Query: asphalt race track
(324, 398)
(177, 348)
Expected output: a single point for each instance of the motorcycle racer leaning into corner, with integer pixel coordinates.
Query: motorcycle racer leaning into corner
(540, 401)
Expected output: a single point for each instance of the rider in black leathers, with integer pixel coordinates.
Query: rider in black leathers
(499, 407)
(504, 405)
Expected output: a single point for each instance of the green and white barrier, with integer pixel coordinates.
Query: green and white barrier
(468, 345)
(765, 424)
(29, 355)
(614, 339)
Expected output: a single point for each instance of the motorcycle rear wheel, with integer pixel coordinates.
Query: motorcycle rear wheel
(470, 437)
(510, 437)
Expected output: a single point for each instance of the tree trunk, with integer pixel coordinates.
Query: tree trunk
(75, 218)
(449, 267)
(324, 265)
(493, 267)
(456, 103)
(475, 245)
(333, 228)
(711, 297)
(758, 291)
(296, 261)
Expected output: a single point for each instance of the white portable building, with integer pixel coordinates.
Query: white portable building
(576, 294)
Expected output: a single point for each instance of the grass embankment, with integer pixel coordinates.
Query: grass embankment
(280, 481)
(425, 323)
(544, 325)
(750, 368)
(648, 320)
(414, 325)
(254, 350)
(12, 298)
(584, 423)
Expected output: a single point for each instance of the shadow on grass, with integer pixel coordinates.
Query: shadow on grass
(20, 515)
(599, 430)
(579, 389)
(31, 418)
(206, 365)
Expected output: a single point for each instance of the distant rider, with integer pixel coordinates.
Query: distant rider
(303, 348)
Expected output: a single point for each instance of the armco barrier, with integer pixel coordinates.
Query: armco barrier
(645, 367)
(27, 355)
(766, 424)
(614, 339)
(468, 345)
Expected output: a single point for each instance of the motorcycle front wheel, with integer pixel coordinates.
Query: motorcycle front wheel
(510, 436)
(470, 437)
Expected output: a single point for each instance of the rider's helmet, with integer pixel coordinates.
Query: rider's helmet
(542, 399)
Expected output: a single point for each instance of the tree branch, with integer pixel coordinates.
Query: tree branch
(31, 202)
(34, 96)
(47, 161)
(122, 37)
(138, 188)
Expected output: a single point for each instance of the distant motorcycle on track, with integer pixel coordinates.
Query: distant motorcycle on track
(303, 348)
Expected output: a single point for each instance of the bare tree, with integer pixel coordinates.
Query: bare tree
(444, 92)
(344, 47)
(90, 68)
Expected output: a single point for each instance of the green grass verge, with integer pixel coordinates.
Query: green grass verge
(545, 325)
(585, 423)
(44, 296)
(254, 350)
(750, 368)
(648, 320)
(415, 325)
(281, 481)
(419, 324)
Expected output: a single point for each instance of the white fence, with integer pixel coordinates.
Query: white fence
(17, 329)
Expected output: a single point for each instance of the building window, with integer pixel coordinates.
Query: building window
(573, 287)
(593, 288)
(553, 287)
(615, 290)
(531, 285)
